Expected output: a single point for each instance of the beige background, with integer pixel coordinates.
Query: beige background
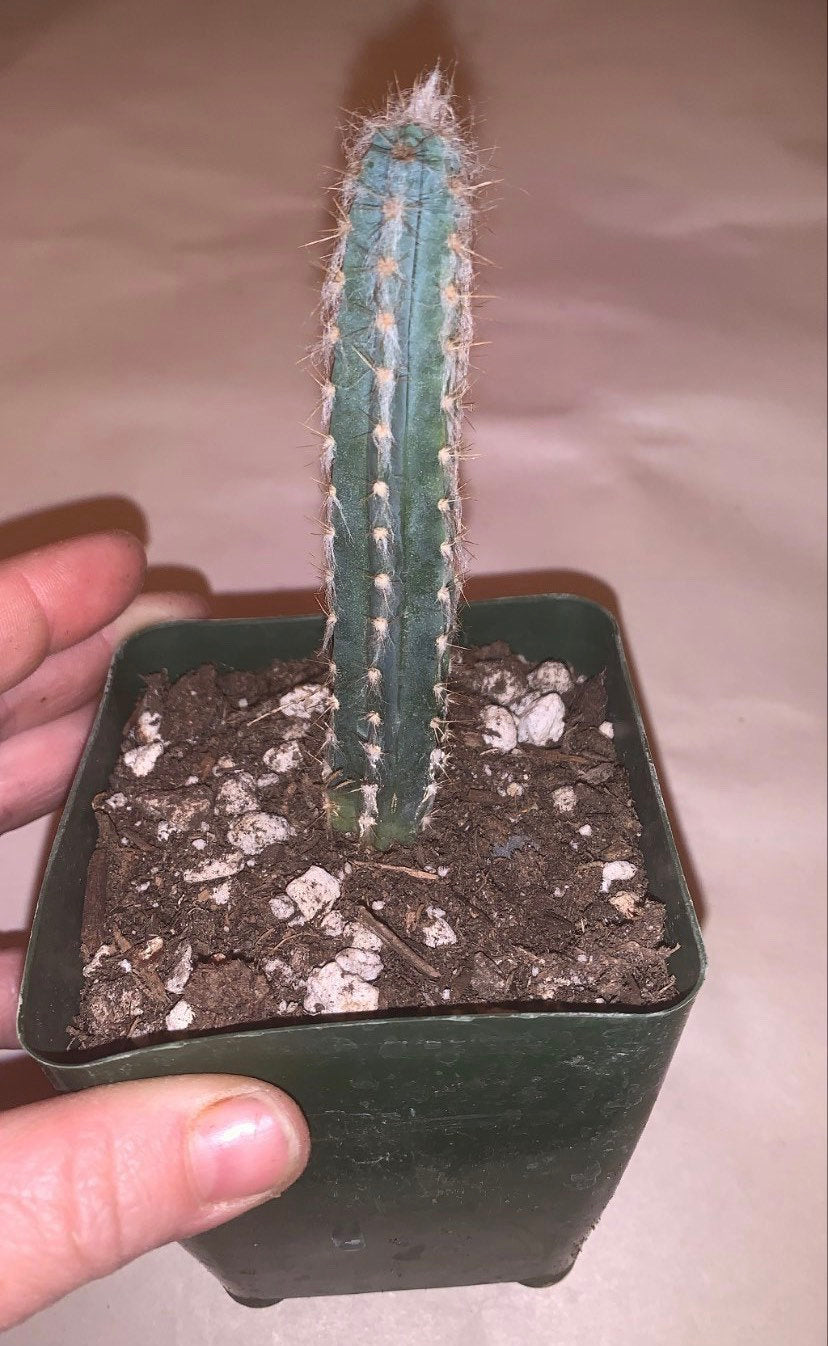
(649, 418)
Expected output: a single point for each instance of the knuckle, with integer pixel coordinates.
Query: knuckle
(94, 1206)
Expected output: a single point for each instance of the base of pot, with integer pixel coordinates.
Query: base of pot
(248, 1303)
(543, 1283)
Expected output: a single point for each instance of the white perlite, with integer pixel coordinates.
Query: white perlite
(362, 963)
(334, 991)
(586, 830)
(223, 867)
(361, 937)
(180, 974)
(614, 871)
(237, 795)
(94, 963)
(116, 801)
(220, 894)
(148, 950)
(606, 728)
(333, 924)
(626, 904)
(564, 798)
(180, 1016)
(499, 728)
(285, 973)
(552, 676)
(304, 702)
(142, 760)
(283, 758)
(314, 891)
(282, 908)
(148, 728)
(437, 931)
(255, 831)
(543, 721)
(503, 687)
(177, 814)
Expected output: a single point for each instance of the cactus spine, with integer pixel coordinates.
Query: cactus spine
(396, 334)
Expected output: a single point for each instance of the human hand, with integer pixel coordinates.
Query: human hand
(91, 1180)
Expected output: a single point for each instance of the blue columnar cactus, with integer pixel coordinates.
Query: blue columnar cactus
(397, 325)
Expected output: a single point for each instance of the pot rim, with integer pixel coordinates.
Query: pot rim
(79, 1061)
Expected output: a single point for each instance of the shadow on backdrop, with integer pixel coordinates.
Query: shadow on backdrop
(410, 45)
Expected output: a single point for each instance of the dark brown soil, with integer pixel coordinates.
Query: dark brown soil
(528, 887)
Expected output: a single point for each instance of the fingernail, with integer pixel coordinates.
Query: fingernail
(243, 1146)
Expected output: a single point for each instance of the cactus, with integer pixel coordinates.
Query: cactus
(396, 315)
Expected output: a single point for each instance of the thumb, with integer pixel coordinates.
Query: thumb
(91, 1180)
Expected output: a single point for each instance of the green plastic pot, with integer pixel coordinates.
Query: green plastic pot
(447, 1150)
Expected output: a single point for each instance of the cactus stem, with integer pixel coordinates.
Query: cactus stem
(397, 286)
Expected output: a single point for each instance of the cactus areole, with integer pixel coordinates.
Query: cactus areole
(395, 347)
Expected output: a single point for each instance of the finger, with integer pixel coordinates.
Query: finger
(53, 597)
(89, 1181)
(11, 970)
(36, 766)
(69, 679)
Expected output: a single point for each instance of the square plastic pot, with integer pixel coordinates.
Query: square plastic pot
(448, 1149)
